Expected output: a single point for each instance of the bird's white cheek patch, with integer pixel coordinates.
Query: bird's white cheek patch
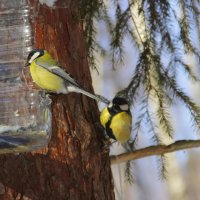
(35, 55)
(124, 107)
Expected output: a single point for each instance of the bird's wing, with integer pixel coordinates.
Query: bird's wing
(55, 69)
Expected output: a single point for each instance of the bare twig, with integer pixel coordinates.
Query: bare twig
(155, 150)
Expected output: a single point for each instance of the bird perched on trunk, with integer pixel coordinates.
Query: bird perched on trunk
(49, 76)
(117, 120)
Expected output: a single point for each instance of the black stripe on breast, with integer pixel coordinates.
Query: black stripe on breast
(108, 129)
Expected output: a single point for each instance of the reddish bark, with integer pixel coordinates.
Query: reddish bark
(75, 164)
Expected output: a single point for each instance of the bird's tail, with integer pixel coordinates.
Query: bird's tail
(95, 97)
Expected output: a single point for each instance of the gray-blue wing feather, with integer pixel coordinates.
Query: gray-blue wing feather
(57, 70)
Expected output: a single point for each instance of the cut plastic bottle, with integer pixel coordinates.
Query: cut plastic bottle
(25, 117)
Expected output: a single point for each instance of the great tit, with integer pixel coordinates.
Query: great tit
(117, 120)
(47, 74)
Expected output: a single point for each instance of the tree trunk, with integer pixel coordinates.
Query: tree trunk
(75, 164)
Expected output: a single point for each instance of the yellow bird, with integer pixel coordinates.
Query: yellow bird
(47, 74)
(117, 119)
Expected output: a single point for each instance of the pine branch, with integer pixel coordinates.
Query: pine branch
(196, 13)
(162, 161)
(90, 10)
(156, 138)
(155, 150)
(193, 108)
(118, 33)
(187, 68)
(186, 26)
(129, 177)
(135, 33)
(163, 114)
(140, 118)
(158, 40)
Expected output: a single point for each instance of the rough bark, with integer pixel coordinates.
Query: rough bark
(75, 164)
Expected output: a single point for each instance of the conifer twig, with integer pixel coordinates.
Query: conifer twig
(155, 150)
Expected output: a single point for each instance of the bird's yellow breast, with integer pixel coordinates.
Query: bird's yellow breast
(104, 117)
(120, 124)
(45, 79)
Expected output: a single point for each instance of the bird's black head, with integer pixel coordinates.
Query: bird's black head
(118, 104)
(36, 53)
